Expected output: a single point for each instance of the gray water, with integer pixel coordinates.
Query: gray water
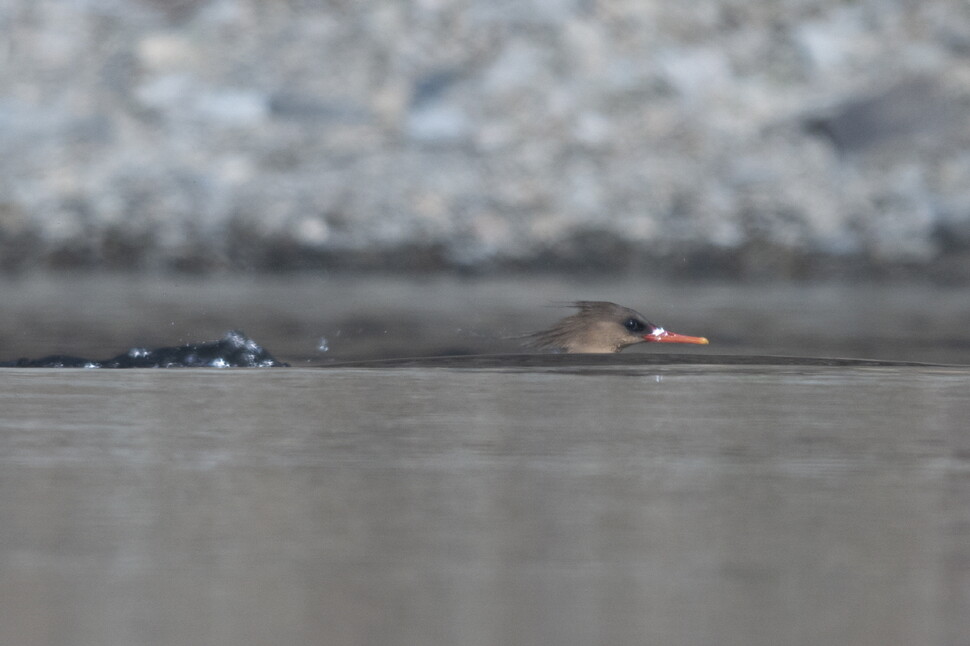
(690, 505)
(552, 503)
(369, 317)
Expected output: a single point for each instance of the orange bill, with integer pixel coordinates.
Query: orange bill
(663, 336)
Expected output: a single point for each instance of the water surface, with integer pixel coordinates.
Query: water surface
(313, 319)
(579, 504)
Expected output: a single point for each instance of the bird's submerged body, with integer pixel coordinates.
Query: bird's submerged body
(602, 327)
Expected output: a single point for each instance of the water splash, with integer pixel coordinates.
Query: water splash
(234, 350)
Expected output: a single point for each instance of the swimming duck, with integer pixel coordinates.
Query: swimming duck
(602, 327)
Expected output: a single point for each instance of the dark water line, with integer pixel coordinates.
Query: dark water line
(615, 360)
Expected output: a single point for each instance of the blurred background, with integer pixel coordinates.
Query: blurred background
(731, 141)
(358, 179)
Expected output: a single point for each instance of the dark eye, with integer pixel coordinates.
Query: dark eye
(634, 325)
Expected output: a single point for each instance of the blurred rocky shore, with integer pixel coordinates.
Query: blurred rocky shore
(729, 138)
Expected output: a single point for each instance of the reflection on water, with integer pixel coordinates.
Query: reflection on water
(632, 504)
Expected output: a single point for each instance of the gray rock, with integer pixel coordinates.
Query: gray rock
(761, 139)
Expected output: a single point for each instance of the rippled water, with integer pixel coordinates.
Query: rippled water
(643, 498)
(681, 504)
